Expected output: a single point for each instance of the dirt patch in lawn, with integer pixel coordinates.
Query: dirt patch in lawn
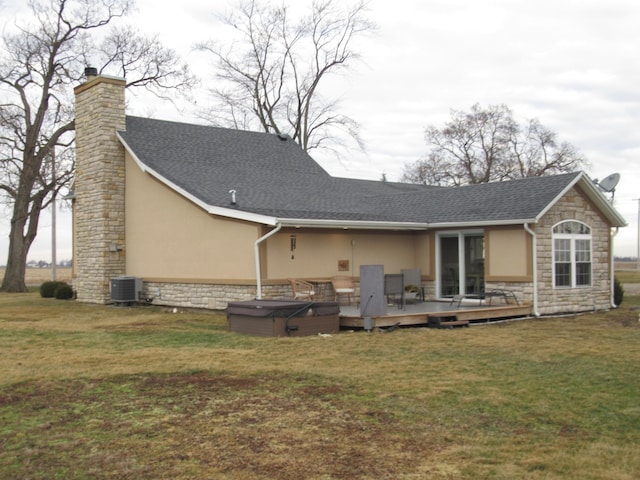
(211, 426)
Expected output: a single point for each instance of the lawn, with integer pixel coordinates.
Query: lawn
(98, 392)
(628, 276)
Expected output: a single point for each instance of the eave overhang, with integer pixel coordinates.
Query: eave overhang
(488, 223)
(350, 224)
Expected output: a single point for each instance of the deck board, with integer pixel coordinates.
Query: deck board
(419, 313)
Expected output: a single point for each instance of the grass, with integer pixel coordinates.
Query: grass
(628, 276)
(36, 276)
(94, 392)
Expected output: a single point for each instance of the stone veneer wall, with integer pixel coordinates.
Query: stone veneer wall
(574, 206)
(522, 290)
(197, 295)
(99, 188)
(216, 297)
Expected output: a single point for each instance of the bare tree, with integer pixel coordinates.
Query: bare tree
(270, 77)
(488, 145)
(39, 64)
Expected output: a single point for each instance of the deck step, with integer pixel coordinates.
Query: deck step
(436, 322)
(455, 323)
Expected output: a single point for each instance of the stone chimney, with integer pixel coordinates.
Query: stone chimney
(99, 187)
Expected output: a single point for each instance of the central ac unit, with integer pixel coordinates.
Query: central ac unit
(125, 289)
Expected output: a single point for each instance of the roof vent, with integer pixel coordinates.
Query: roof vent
(283, 136)
(233, 196)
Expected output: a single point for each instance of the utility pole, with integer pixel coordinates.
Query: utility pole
(638, 241)
(53, 217)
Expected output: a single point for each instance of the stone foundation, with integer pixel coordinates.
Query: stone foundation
(217, 296)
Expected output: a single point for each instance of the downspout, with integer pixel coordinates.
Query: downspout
(535, 269)
(612, 269)
(257, 256)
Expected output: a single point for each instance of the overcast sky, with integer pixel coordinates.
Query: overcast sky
(573, 65)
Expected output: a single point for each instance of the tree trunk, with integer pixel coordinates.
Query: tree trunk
(25, 211)
(14, 275)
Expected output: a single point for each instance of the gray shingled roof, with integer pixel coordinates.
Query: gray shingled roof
(276, 178)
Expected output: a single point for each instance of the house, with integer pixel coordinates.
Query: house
(208, 215)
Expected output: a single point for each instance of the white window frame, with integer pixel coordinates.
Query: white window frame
(573, 251)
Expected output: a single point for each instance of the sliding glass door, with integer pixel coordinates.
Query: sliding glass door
(460, 263)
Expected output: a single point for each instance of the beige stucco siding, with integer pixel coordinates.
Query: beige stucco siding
(170, 237)
(426, 254)
(508, 255)
(318, 252)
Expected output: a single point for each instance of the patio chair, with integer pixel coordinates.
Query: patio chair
(413, 276)
(394, 287)
(302, 289)
(343, 285)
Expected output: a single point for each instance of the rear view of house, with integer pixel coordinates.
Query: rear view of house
(207, 215)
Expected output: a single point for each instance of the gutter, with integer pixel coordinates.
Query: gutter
(612, 269)
(257, 256)
(536, 313)
(349, 224)
(489, 223)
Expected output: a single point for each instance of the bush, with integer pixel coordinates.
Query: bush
(64, 292)
(59, 290)
(48, 289)
(618, 292)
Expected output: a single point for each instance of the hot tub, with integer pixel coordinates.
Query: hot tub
(280, 318)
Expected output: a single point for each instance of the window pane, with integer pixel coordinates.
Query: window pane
(562, 250)
(583, 256)
(583, 251)
(583, 245)
(563, 274)
(583, 274)
(571, 227)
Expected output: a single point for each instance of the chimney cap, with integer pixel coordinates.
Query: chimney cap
(91, 72)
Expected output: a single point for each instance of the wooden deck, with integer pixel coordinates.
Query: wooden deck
(416, 314)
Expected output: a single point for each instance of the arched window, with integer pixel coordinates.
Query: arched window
(571, 254)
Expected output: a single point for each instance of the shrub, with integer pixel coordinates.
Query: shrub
(64, 291)
(48, 289)
(59, 290)
(618, 291)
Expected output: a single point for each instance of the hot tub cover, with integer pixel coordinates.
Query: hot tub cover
(281, 308)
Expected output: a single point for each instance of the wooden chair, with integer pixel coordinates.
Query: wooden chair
(302, 289)
(343, 285)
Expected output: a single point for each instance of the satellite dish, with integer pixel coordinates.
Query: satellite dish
(609, 183)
